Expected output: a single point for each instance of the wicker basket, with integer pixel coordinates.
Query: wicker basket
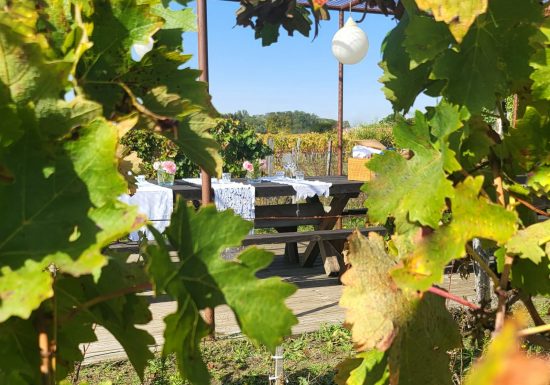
(357, 170)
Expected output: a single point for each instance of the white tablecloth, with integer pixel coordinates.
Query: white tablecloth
(304, 188)
(156, 202)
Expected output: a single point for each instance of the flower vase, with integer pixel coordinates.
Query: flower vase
(164, 178)
(253, 177)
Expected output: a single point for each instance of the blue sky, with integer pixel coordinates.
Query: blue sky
(296, 73)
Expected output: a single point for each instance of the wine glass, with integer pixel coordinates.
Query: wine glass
(288, 164)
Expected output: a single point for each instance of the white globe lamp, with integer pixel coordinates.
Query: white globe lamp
(350, 44)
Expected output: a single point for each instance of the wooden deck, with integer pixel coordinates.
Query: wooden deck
(314, 303)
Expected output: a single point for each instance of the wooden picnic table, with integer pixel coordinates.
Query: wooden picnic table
(287, 217)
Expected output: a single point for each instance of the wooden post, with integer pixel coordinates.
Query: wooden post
(340, 126)
(270, 158)
(329, 156)
(202, 29)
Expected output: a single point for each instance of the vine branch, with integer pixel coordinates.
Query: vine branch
(531, 206)
(534, 330)
(105, 297)
(445, 294)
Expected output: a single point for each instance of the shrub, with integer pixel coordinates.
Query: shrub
(237, 141)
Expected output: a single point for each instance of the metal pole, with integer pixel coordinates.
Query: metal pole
(340, 126)
(206, 182)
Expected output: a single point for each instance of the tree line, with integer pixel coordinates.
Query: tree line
(292, 122)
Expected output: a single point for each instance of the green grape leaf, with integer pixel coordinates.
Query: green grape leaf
(539, 180)
(528, 242)
(401, 84)
(430, 332)
(73, 194)
(19, 355)
(400, 187)
(200, 279)
(539, 62)
(83, 302)
(532, 278)
(161, 67)
(425, 39)
(528, 141)
(198, 144)
(25, 71)
(183, 20)
(458, 15)
(473, 79)
(375, 307)
(23, 290)
(504, 362)
(57, 117)
(11, 123)
(366, 368)
(472, 217)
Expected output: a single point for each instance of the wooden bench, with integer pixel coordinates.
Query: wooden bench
(333, 261)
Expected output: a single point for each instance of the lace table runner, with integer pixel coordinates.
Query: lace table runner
(233, 195)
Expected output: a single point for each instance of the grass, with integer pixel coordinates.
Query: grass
(309, 359)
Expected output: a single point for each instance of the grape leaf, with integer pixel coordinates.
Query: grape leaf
(472, 217)
(539, 180)
(505, 363)
(429, 332)
(366, 368)
(200, 279)
(401, 84)
(399, 189)
(532, 278)
(425, 39)
(528, 242)
(473, 79)
(25, 70)
(539, 62)
(78, 187)
(527, 142)
(83, 303)
(23, 290)
(375, 307)
(19, 355)
(459, 15)
(183, 20)
(380, 315)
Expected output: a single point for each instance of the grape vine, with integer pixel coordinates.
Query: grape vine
(69, 90)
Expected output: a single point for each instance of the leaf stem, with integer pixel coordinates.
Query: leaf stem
(445, 294)
(531, 206)
(534, 330)
(482, 264)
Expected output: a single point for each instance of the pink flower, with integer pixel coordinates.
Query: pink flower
(169, 166)
(248, 166)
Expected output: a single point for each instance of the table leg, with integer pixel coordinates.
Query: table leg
(337, 206)
(291, 248)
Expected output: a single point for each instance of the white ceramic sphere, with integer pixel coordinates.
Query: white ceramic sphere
(350, 44)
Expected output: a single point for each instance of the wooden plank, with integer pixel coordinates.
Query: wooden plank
(292, 215)
(305, 236)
